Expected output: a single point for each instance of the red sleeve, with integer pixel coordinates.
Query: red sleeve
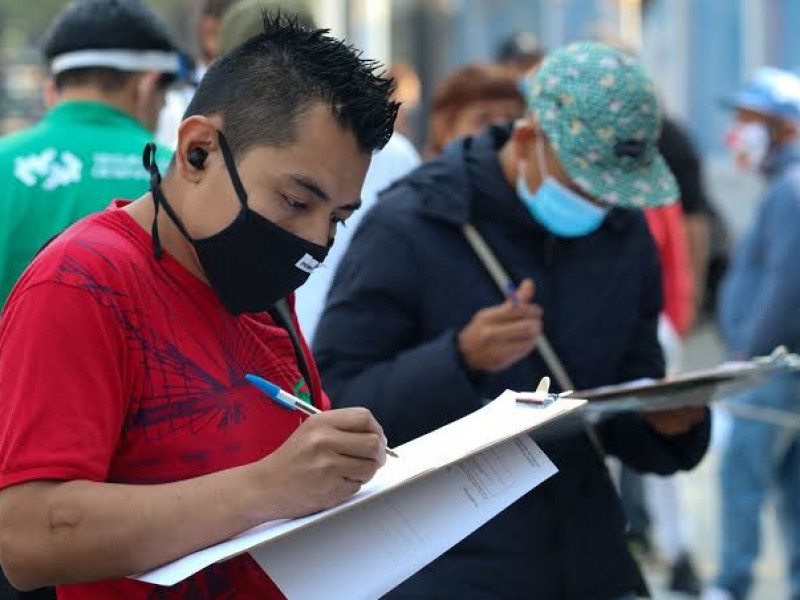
(667, 227)
(62, 399)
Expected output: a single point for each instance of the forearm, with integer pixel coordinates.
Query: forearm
(66, 532)
(698, 238)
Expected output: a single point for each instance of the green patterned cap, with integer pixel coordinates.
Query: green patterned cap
(599, 111)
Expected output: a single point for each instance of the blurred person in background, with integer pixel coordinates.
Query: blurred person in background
(759, 309)
(469, 100)
(220, 26)
(521, 52)
(244, 19)
(111, 62)
(208, 21)
(207, 29)
(407, 91)
(416, 330)
(697, 217)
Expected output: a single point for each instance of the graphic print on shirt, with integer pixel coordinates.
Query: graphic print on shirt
(182, 395)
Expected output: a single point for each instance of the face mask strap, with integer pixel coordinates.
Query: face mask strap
(150, 164)
(233, 172)
(149, 161)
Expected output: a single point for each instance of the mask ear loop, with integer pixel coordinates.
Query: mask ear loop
(149, 161)
(233, 172)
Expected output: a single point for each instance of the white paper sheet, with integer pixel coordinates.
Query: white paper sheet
(364, 553)
(493, 424)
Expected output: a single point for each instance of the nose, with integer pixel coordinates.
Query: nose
(321, 233)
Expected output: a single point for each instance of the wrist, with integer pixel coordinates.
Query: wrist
(261, 491)
(475, 376)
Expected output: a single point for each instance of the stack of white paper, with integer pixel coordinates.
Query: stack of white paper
(445, 485)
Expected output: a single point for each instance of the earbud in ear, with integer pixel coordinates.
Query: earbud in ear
(197, 158)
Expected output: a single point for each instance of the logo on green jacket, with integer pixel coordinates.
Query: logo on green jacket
(49, 169)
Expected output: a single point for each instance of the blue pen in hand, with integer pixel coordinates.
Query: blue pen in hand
(287, 400)
(511, 293)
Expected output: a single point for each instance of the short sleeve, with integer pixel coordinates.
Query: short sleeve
(62, 399)
(684, 162)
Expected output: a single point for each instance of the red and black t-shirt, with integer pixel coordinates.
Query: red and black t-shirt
(117, 367)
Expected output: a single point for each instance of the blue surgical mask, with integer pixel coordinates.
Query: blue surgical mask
(560, 210)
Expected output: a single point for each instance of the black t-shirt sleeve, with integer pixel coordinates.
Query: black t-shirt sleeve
(684, 162)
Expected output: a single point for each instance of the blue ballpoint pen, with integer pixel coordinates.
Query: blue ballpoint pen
(287, 400)
(511, 293)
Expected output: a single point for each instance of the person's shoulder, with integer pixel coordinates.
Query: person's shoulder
(93, 251)
(627, 231)
(429, 189)
(20, 142)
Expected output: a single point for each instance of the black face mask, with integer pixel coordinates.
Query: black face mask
(252, 263)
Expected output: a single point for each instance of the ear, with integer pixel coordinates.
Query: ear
(523, 138)
(195, 132)
(50, 93)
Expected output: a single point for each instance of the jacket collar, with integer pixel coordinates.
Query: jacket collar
(92, 112)
(464, 179)
(467, 182)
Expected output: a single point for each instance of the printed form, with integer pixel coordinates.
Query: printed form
(371, 549)
(443, 487)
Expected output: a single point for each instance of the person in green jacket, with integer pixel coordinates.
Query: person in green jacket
(110, 66)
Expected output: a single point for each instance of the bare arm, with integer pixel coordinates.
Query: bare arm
(698, 238)
(65, 532)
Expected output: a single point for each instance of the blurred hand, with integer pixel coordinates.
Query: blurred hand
(324, 462)
(499, 336)
(675, 422)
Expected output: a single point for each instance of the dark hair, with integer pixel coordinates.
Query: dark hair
(263, 86)
(521, 46)
(104, 79)
(105, 25)
(469, 84)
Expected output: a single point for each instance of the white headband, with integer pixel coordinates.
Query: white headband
(122, 60)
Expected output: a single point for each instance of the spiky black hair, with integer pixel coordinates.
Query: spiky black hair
(264, 86)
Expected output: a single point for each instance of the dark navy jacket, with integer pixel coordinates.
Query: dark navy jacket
(387, 340)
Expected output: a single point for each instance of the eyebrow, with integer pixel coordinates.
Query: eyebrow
(316, 189)
(311, 186)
